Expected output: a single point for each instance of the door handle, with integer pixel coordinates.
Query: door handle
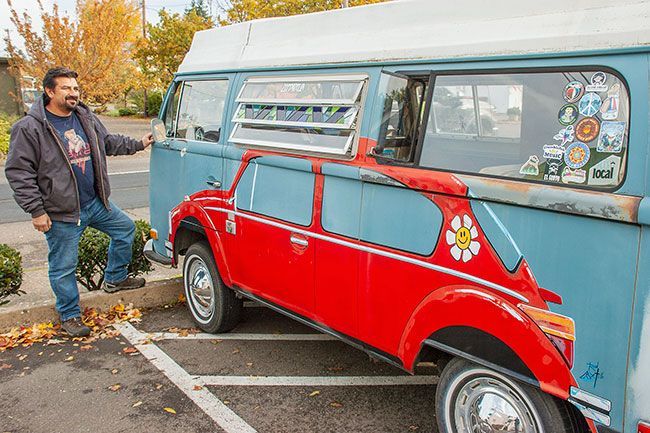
(213, 182)
(299, 240)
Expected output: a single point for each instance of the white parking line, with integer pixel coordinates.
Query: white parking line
(191, 386)
(236, 336)
(317, 380)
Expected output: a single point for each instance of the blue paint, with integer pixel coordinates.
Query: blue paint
(497, 235)
(340, 170)
(281, 193)
(592, 264)
(341, 212)
(399, 218)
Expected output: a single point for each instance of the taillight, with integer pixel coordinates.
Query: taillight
(643, 427)
(558, 328)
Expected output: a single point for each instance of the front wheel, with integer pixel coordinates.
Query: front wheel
(214, 307)
(471, 398)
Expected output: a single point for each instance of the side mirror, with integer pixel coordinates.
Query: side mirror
(158, 131)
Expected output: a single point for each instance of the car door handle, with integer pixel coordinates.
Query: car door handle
(213, 182)
(299, 240)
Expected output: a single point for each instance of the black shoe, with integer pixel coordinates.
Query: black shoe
(75, 327)
(127, 284)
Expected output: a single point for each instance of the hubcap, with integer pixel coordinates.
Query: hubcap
(200, 290)
(488, 405)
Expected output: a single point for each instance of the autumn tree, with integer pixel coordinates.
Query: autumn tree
(96, 44)
(167, 42)
(237, 11)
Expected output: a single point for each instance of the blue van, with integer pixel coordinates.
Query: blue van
(465, 183)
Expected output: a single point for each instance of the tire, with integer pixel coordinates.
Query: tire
(214, 307)
(468, 392)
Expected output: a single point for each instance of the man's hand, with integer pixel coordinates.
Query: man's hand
(42, 223)
(147, 140)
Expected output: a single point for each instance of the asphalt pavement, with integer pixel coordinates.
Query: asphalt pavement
(270, 374)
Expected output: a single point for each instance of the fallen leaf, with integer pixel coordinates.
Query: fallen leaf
(69, 358)
(334, 368)
(197, 388)
(249, 364)
(182, 298)
(226, 402)
(170, 410)
(183, 333)
(158, 386)
(314, 394)
(236, 351)
(115, 387)
(40, 353)
(137, 403)
(115, 371)
(413, 427)
(85, 347)
(130, 350)
(22, 358)
(336, 404)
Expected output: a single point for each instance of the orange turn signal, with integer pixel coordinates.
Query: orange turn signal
(551, 323)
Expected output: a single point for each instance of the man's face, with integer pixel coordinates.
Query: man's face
(65, 95)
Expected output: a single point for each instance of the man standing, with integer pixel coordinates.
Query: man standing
(57, 169)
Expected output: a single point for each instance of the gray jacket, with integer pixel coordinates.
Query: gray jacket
(38, 169)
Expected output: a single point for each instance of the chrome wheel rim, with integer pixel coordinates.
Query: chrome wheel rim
(490, 403)
(200, 290)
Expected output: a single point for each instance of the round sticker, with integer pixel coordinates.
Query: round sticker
(598, 78)
(576, 155)
(568, 114)
(587, 129)
(590, 104)
(573, 91)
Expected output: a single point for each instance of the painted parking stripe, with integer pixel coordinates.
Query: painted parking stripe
(204, 399)
(317, 380)
(242, 336)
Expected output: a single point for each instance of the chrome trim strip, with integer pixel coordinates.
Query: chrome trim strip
(590, 399)
(298, 241)
(379, 252)
(591, 413)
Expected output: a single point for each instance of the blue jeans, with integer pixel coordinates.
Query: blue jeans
(63, 243)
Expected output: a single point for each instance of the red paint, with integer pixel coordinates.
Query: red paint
(389, 304)
(644, 427)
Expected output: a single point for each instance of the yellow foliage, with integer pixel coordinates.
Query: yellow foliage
(96, 44)
(246, 10)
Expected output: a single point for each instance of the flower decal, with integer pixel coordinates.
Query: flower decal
(462, 237)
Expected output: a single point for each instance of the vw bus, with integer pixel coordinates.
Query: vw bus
(458, 183)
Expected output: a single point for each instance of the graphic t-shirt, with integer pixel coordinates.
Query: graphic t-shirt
(75, 144)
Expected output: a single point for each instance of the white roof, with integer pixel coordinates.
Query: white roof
(423, 29)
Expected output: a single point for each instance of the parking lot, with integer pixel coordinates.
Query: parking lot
(271, 374)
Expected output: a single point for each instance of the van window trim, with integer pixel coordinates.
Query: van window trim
(491, 71)
(351, 147)
(181, 82)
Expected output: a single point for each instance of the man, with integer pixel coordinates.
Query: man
(56, 167)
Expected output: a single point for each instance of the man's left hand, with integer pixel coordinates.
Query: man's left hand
(147, 140)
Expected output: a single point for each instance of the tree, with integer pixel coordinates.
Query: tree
(200, 8)
(167, 43)
(97, 45)
(238, 11)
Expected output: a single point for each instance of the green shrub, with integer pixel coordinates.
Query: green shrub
(5, 126)
(93, 253)
(127, 111)
(11, 273)
(154, 101)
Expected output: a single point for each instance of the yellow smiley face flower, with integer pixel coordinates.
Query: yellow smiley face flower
(462, 238)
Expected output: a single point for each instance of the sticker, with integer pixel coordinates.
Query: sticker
(605, 172)
(587, 129)
(590, 104)
(597, 83)
(552, 171)
(573, 176)
(553, 151)
(568, 114)
(565, 135)
(573, 91)
(576, 155)
(462, 238)
(531, 167)
(609, 109)
(611, 136)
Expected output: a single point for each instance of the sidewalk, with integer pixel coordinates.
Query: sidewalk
(37, 304)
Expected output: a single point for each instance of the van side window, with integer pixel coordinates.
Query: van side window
(201, 110)
(172, 112)
(402, 115)
(308, 113)
(567, 127)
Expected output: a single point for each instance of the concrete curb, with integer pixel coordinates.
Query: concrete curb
(154, 294)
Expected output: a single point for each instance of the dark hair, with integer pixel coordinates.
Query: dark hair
(48, 80)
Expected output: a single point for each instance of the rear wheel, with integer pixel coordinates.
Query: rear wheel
(474, 399)
(214, 307)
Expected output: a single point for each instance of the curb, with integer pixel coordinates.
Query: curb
(153, 294)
